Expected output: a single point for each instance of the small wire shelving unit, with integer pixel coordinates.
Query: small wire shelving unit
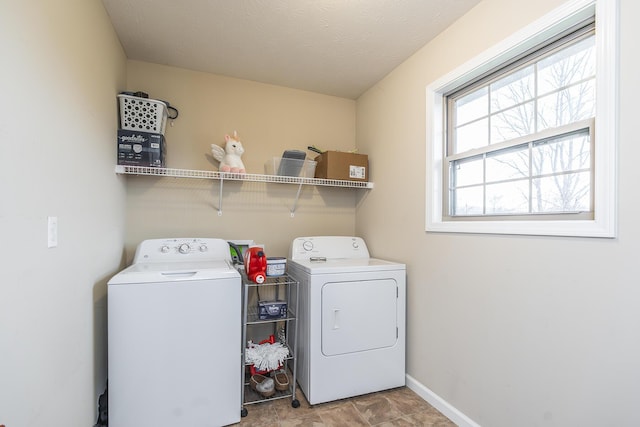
(251, 318)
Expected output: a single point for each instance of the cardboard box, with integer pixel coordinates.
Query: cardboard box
(137, 148)
(343, 166)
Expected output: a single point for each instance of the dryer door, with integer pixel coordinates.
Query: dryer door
(359, 316)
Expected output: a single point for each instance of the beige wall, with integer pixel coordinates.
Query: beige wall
(509, 330)
(61, 68)
(269, 119)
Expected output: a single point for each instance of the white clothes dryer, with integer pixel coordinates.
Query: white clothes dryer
(351, 313)
(174, 319)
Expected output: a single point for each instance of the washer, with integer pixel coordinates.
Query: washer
(174, 319)
(351, 333)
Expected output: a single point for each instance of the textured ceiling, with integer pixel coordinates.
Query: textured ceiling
(334, 47)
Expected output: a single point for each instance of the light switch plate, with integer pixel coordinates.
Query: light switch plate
(52, 231)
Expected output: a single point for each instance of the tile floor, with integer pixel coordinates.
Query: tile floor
(396, 407)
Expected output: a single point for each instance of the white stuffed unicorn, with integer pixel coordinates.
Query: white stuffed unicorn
(229, 157)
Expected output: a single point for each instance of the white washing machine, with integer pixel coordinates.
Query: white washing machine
(351, 332)
(174, 319)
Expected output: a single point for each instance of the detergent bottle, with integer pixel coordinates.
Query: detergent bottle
(255, 264)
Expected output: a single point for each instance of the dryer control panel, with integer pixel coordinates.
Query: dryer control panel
(328, 247)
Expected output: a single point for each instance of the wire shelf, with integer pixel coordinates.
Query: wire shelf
(215, 175)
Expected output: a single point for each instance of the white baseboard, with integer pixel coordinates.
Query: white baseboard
(440, 404)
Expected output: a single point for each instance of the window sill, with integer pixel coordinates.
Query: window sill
(567, 228)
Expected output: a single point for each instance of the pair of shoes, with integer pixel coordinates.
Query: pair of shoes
(281, 379)
(263, 385)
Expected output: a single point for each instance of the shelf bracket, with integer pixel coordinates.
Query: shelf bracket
(220, 196)
(295, 201)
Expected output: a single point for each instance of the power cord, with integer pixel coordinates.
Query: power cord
(169, 107)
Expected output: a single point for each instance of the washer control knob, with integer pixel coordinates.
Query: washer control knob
(355, 245)
(164, 249)
(203, 248)
(307, 245)
(184, 248)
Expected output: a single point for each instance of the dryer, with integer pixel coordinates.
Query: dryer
(174, 319)
(351, 314)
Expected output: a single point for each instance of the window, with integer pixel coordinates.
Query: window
(544, 174)
(524, 143)
(512, 147)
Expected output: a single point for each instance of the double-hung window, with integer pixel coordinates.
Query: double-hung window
(516, 147)
(519, 141)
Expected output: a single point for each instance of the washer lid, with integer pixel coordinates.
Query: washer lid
(148, 272)
(345, 265)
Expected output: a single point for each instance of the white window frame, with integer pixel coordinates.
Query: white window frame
(603, 223)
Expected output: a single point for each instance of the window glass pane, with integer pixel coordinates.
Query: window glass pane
(513, 89)
(472, 106)
(566, 154)
(508, 198)
(508, 164)
(567, 106)
(467, 172)
(568, 66)
(473, 135)
(467, 201)
(515, 118)
(562, 193)
(513, 123)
